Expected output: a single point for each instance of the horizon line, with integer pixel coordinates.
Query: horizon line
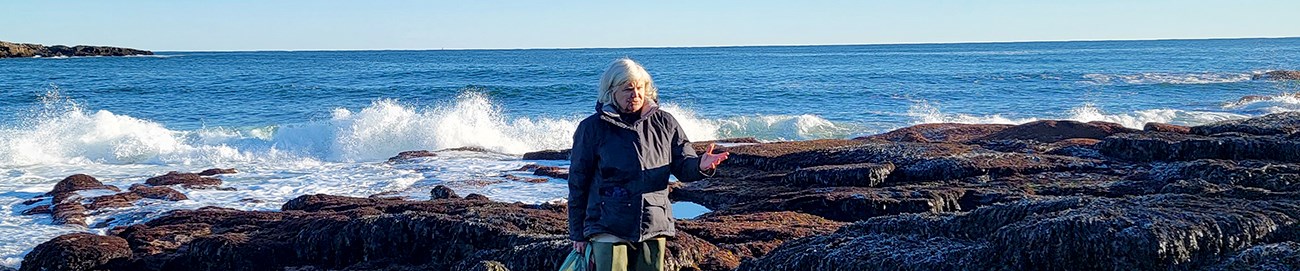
(725, 46)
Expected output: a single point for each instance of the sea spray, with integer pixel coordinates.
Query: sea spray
(928, 113)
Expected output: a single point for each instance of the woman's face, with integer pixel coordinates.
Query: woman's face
(630, 96)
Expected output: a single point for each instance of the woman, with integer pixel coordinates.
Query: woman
(618, 176)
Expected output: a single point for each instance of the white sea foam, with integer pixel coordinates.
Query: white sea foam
(341, 155)
(926, 113)
(1167, 78)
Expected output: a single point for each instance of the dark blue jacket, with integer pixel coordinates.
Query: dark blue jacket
(618, 175)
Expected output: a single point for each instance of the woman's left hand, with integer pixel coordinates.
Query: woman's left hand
(709, 160)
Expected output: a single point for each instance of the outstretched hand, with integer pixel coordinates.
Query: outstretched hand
(709, 160)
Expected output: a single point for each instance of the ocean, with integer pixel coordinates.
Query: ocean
(308, 122)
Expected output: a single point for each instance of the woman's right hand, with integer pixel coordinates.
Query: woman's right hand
(579, 246)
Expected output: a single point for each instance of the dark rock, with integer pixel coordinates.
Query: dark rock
(78, 182)
(993, 164)
(190, 179)
(407, 155)
(483, 182)
(1166, 128)
(762, 154)
(1279, 256)
(119, 200)
(1054, 130)
(528, 167)
(158, 192)
(1157, 232)
(687, 252)
(733, 185)
(1077, 147)
(753, 235)
(856, 203)
(39, 209)
(743, 140)
(8, 49)
(33, 200)
(82, 50)
(152, 240)
(472, 149)
(77, 251)
(553, 172)
(525, 179)
(938, 132)
(322, 232)
(1145, 147)
(1246, 173)
(863, 174)
(1277, 75)
(1271, 124)
(898, 153)
(547, 155)
(388, 195)
(442, 192)
(215, 171)
(477, 197)
(62, 197)
(69, 213)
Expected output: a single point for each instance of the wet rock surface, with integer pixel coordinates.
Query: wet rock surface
(1146, 147)
(1153, 232)
(1272, 124)
(407, 155)
(217, 171)
(334, 232)
(189, 179)
(77, 251)
(1048, 195)
(754, 234)
(1167, 128)
(939, 132)
(1057, 130)
(547, 155)
(67, 207)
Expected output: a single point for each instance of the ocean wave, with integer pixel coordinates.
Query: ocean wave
(1167, 78)
(926, 113)
(1265, 104)
(65, 132)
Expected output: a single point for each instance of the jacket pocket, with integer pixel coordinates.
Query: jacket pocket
(619, 217)
(657, 216)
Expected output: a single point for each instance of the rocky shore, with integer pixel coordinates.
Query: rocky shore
(1045, 195)
(9, 49)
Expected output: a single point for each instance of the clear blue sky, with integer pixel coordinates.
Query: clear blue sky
(328, 24)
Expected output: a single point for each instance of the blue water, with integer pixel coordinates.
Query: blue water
(869, 86)
(309, 122)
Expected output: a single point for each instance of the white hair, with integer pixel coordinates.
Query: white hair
(620, 72)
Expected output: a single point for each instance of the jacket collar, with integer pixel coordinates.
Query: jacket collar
(609, 113)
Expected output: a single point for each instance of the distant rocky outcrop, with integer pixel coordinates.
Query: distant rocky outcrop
(1277, 75)
(9, 49)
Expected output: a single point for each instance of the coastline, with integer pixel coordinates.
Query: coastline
(1041, 195)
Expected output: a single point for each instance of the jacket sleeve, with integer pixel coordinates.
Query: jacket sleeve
(686, 163)
(582, 165)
